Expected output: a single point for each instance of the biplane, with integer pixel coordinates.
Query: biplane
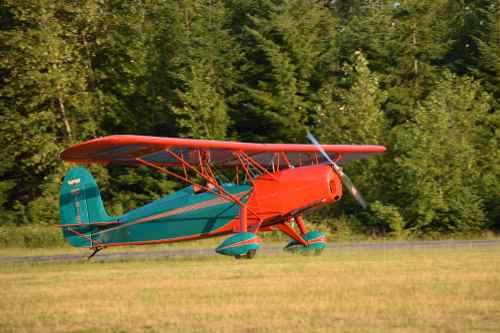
(271, 187)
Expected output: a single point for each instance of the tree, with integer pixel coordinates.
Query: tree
(289, 52)
(436, 178)
(489, 47)
(44, 97)
(119, 52)
(489, 129)
(206, 70)
(467, 25)
(350, 113)
(404, 42)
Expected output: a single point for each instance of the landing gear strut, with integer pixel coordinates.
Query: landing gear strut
(96, 250)
(312, 242)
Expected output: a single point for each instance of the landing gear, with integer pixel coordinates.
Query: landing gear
(317, 252)
(242, 245)
(249, 255)
(316, 243)
(312, 242)
(96, 250)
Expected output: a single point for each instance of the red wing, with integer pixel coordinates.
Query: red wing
(126, 149)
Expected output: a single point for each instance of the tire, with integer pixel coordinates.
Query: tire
(250, 254)
(318, 252)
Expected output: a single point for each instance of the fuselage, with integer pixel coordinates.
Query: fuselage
(189, 214)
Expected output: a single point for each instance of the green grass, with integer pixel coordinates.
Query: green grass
(49, 239)
(418, 290)
(34, 240)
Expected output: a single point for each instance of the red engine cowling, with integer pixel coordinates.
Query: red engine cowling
(294, 189)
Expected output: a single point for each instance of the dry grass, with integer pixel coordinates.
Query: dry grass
(211, 243)
(445, 290)
(67, 249)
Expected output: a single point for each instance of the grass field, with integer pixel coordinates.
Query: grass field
(413, 290)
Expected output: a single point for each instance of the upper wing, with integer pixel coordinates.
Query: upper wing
(128, 149)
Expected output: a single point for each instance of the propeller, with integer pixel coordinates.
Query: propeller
(345, 179)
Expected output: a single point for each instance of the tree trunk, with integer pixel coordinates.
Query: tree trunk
(414, 37)
(65, 119)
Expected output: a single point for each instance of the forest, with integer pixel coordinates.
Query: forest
(421, 77)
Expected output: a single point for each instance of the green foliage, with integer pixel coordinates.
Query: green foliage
(208, 72)
(436, 183)
(355, 100)
(289, 50)
(45, 102)
(403, 41)
(382, 72)
(389, 217)
(489, 49)
(344, 227)
(203, 112)
(132, 188)
(351, 112)
(31, 236)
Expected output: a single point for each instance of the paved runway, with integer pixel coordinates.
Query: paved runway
(179, 253)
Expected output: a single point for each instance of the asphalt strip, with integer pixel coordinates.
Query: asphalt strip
(180, 253)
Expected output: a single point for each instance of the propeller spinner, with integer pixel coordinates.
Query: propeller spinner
(345, 179)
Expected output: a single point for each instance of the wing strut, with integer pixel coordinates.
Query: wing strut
(242, 157)
(219, 190)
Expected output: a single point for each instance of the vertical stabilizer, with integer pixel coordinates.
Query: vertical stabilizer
(81, 206)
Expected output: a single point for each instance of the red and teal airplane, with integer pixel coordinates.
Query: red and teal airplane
(273, 185)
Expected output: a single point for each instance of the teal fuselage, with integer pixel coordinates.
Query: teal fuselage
(182, 215)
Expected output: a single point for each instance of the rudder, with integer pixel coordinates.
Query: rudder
(81, 207)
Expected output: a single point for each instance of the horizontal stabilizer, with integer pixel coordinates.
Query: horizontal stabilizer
(95, 224)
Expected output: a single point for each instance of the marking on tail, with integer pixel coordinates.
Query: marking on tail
(74, 182)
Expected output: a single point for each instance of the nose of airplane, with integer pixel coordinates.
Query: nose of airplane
(335, 184)
(306, 185)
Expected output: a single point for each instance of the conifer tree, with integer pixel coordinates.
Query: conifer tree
(403, 41)
(351, 110)
(489, 47)
(131, 47)
(350, 113)
(466, 25)
(371, 71)
(289, 53)
(489, 129)
(437, 178)
(206, 70)
(120, 55)
(44, 98)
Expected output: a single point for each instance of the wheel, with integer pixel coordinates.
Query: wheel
(316, 242)
(317, 252)
(250, 254)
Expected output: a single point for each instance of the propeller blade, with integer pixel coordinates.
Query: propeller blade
(321, 150)
(354, 191)
(345, 179)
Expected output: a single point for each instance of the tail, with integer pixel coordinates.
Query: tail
(81, 209)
